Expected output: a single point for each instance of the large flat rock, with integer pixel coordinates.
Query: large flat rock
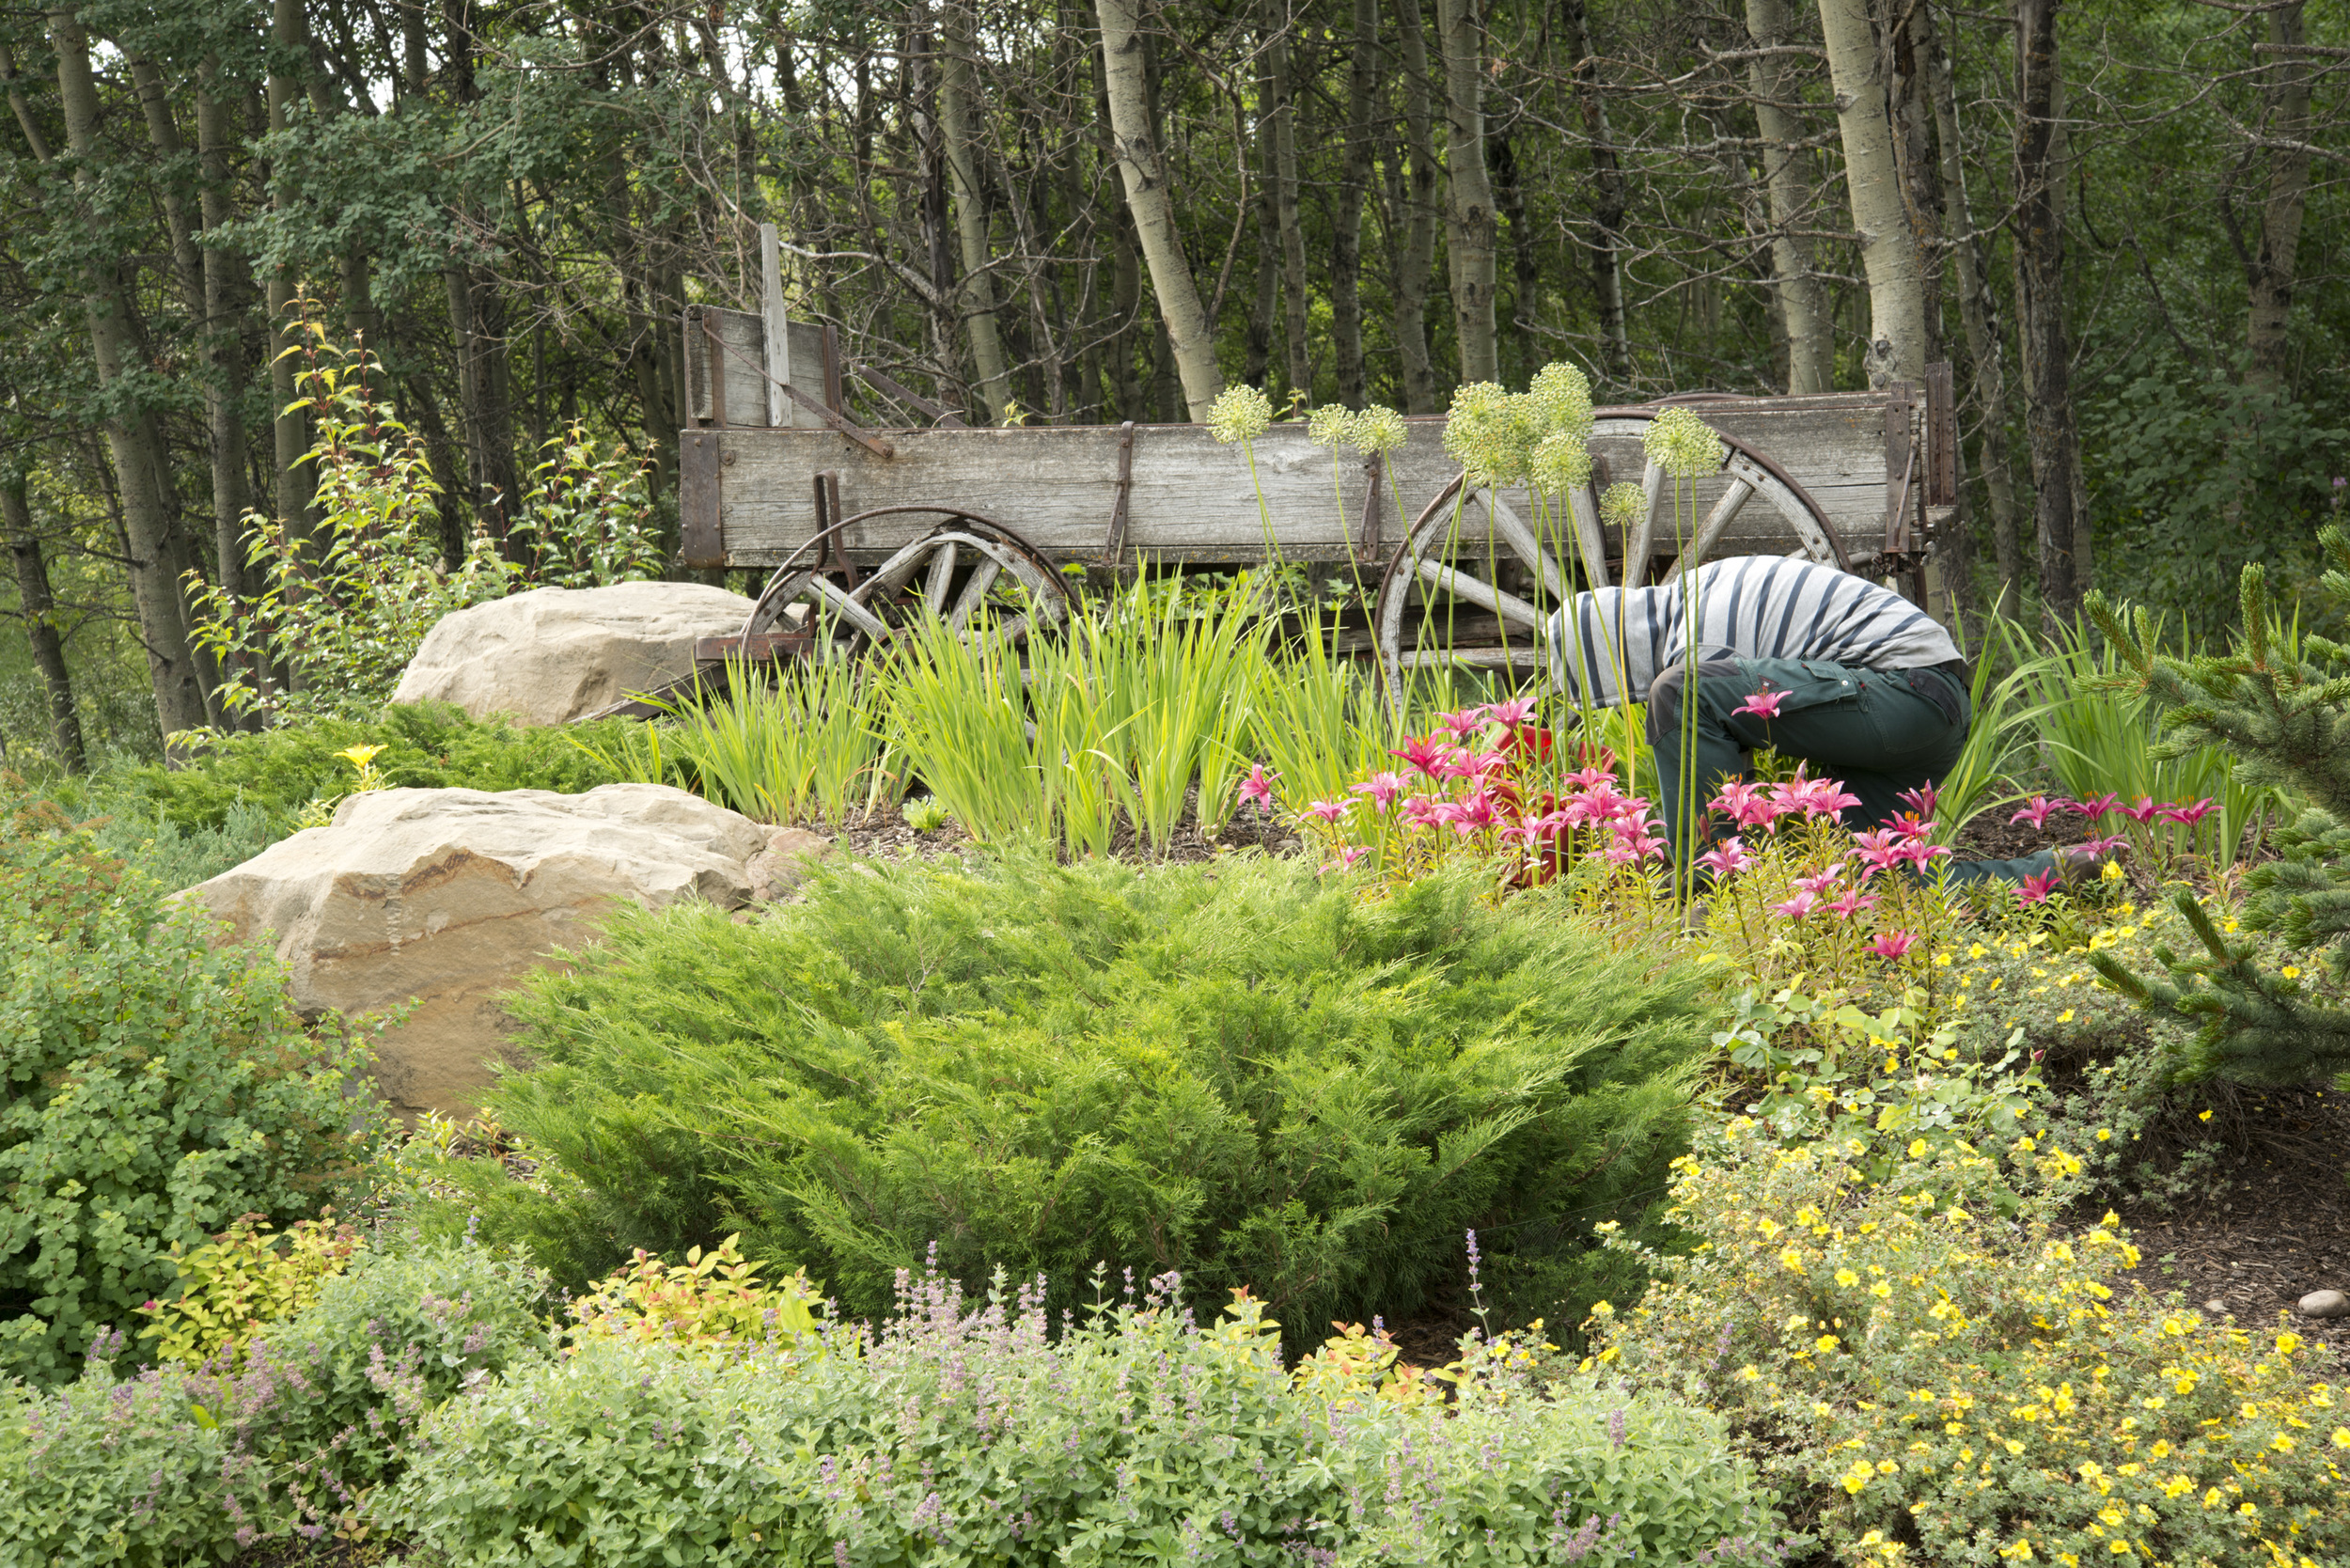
(451, 896)
(552, 655)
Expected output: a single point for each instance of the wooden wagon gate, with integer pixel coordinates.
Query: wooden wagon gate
(877, 524)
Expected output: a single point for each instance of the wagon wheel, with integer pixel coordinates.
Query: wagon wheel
(1439, 604)
(948, 574)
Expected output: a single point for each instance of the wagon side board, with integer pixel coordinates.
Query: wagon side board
(1190, 499)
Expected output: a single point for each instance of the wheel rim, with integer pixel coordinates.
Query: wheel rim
(982, 551)
(1463, 620)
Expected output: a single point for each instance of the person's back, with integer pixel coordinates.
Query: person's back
(1748, 608)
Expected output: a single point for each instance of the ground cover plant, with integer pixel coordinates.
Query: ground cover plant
(1240, 1072)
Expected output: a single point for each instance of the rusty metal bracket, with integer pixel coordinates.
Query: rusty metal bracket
(1116, 543)
(1375, 473)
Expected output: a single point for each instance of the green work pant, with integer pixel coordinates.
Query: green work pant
(1877, 731)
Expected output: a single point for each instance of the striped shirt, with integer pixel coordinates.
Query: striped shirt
(1748, 608)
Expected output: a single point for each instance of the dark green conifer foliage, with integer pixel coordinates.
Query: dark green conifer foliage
(2282, 707)
(1241, 1072)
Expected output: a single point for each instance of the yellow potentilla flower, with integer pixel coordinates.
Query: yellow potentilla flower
(2065, 1017)
(2342, 1437)
(2281, 1443)
(1881, 1290)
(1846, 1278)
(1825, 1343)
(1792, 1260)
(2287, 1343)
(2105, 1134)
(2290, 971)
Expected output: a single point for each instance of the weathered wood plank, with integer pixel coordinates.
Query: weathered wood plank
(1192, 499)
(743, 338)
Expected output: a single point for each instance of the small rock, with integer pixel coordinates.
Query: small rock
(778, 871)
(2215, 1305)
(2326, 1304)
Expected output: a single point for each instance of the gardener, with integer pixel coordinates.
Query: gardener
(1826, 668)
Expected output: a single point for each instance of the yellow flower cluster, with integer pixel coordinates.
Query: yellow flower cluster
(1908, 1354)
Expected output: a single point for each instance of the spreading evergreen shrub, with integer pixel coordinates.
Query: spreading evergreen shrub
(152, 1091)
(426, 746)
(1239, 1071)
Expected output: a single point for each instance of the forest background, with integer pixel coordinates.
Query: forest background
(2125, 221)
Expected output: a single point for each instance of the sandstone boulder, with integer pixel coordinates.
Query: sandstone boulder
(450, 896)
(552, 655)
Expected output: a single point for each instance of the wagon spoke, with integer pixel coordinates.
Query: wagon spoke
(1521, 539)
(1711, 530)
(848, 608)
(1643, 536)
(1461, 586)
(942, 572)
(982, 578)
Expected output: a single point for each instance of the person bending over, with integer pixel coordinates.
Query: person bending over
(1827, 668)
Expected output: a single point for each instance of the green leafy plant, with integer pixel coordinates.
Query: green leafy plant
(245, 1277)
(2283, 712)
(803, 748)
(342, 611)
(152, 1088)
(585, 517)
(1929, 1384)
(924, 814)
(963, 1429)
(1235, 1070)
(714, 1298)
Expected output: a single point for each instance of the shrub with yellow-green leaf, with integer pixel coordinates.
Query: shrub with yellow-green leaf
(1934, 1385)
(245, 1278)
(714, 1298)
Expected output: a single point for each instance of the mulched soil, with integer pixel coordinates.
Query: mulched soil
(887, 837)
(2272, 1225)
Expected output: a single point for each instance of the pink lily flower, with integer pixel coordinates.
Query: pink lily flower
(1382, 788)
(1258, 786)
(2096, 806)
(2035, 889)
(1796, 907)
(1474, 814)
(2040, 810)
(1422, 752)
(1348, 854)
(1824, 880)
(1422, 811)
(1727, 858)
(2190, 814)
(1592, 779)
(2143, 812)
(1514, 714)
(1921, 801)
(1893, 944)
(1633, 843)
(1461, 723)
(1763, 704)
(1329, 810)
(1852, 904)
(1917, 853)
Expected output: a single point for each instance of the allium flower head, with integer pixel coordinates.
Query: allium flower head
(1683, 445)
(1561, 462)
(1331, 425)
(1377, 429)
(1561, 399)
(1241, 414)
(1490, 433)
(1622, 504)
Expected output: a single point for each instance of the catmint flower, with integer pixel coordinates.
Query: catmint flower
(1561, 398)
(1241, 414)
(1378, 429)
(1622, 504)
(1683, 445)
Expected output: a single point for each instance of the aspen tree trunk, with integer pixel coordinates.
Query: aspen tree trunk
(1346, 246)
(1144, 172)
(1889, 247)
(959, 124)
(1471, 234)
(2061, 522)
(289, 430)
(38, 608)
(1278, 102)
(1415, 259)
(1908, 49)
(1608, 212)
(227, 288)
(1986, 339)
(145, 521)
(1802, 302)
(2271, 270)
(1257, 336)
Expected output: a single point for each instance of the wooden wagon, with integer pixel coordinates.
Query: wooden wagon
(862, 527)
